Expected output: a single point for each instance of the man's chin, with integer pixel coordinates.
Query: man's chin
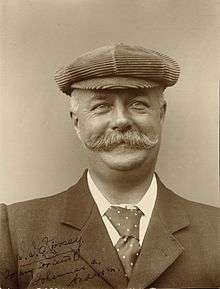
(123, 167)
(124, 161)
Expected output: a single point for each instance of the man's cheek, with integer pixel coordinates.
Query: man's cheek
(149, 126)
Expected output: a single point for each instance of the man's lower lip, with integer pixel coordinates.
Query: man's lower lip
(124, 147)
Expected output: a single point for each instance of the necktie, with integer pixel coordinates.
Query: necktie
(126, 222)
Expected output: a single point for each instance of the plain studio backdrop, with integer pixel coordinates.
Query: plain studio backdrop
(40, 154)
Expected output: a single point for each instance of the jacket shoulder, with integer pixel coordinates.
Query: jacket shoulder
(197, 208)
(50, 205)
(199, 214)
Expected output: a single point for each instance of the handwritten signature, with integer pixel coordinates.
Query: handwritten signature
(76, 278)
(44, 256)
(47, 248)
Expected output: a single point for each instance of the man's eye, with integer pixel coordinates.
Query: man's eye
(139, 105)
(101, 106)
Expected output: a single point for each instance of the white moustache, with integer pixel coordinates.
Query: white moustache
(132, 139)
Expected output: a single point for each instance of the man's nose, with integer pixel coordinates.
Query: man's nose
(121, 119)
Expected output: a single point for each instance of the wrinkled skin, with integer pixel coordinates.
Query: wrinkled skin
(104, 113)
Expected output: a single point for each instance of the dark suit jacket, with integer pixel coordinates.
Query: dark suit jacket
(61, 241)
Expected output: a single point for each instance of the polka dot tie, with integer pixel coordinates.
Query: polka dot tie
(126, 222)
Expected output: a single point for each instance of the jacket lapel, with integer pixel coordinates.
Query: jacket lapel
(160, 248)
(81, 213)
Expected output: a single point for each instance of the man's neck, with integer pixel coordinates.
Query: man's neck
(123, 187)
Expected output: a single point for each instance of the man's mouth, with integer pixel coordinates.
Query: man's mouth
(122, 146)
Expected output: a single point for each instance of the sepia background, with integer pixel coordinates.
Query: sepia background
(39, 152)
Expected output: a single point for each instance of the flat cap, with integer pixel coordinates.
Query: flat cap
(118, 66)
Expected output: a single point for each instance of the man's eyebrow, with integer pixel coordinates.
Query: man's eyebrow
(139, 94)
(99, 97)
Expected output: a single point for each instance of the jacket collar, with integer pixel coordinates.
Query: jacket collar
(80, 212)
(159, 250)
(160, 247)
(79, 203)
(170, 208)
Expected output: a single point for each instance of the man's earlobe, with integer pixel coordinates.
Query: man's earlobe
(75, 120)
(163, 110)
(76, 124)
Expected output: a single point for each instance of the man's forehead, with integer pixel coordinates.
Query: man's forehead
(110, 94)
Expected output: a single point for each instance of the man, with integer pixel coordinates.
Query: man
(119, 226)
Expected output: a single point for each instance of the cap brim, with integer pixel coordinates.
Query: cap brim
(114, 83)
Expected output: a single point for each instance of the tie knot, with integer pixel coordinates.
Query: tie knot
(126, 221)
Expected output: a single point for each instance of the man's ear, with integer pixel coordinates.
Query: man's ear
(75, 119)
(163, 109)
(74, 105)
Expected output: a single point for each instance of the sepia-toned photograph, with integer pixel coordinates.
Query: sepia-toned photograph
(109, 144)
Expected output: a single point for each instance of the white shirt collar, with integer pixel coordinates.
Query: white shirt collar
(146, 204)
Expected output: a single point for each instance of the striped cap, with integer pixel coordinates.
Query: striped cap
(118, 66)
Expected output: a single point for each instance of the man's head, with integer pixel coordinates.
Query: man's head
(120, 127)
(117, 103)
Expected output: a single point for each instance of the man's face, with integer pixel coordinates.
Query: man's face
(120, 128)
